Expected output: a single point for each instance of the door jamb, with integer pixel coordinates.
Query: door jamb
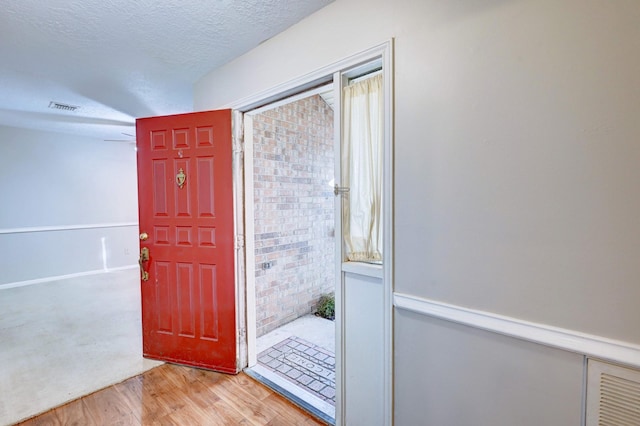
(240, 258)
(250, 258)
(332, 72)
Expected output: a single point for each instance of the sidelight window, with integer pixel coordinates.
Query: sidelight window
(362, 168)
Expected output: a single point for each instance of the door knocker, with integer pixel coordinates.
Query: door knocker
(181, 178)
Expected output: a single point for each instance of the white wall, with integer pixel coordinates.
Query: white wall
(64, 337)
(518, 121)
(516, 158)
(57, 180)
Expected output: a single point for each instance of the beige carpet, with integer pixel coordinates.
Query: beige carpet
(61, 340)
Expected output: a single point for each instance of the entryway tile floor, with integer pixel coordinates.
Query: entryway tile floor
(298, 360)
(303, 364)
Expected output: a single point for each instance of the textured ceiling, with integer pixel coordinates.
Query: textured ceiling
(121, 59)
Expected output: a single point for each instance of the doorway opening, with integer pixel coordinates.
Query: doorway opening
(294, 247)
(362, 343)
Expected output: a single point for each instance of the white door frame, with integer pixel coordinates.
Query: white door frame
(246, 282)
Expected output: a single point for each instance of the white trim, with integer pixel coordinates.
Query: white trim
(365, 77)
(585, 373)
(335, 73)
(383, 52)
(65, 277)
(338, 82)
(237, 123)
(250, 243)
(362, 268)
(65, 227)
(387, 226)
(556, 337)
(294, 98)
(307, 81)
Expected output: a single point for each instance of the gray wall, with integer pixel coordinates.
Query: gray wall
(516, 173)
(52, 179)
(519, 120)
(515, 147)
(448, 374)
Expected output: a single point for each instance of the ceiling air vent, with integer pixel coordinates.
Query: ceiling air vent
(63, 107)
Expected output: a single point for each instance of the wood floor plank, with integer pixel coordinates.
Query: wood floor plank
(226, 415)
(235, 395)
(195, 383)
(250, 385)
(188, 375)
(72, 414)
(151, 395)
(177, 395)
(288, 414)
(47, 419)
(131, 391)
(107, 407)
(140, 394)
(218, 414)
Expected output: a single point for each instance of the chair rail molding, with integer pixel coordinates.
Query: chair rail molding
(65, 227)
(65, 277)
(561, 338)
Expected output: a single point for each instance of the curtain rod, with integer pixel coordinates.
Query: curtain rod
(368, 74)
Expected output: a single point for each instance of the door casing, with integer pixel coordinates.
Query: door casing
(244, 203)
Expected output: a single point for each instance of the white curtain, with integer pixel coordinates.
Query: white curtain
(362, 170)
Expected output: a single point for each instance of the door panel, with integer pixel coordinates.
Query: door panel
(186, 207)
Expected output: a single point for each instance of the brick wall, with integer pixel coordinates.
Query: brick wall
(294, 225)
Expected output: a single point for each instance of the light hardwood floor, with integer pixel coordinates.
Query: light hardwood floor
(177, 395)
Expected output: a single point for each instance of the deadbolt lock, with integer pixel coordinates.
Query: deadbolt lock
(144, 236)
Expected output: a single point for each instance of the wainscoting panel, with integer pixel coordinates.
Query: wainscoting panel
(31, 255)
(452, 374)
(561, 338)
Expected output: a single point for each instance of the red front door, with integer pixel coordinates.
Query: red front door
(186, 211)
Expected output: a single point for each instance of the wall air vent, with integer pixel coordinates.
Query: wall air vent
(613, 395)
(63, 107)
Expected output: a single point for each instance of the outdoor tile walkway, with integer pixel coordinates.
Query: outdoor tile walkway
(304, 364)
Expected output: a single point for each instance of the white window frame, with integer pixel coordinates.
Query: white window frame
(337, 73)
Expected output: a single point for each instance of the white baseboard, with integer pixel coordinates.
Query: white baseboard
(569, 340)
(64, 277)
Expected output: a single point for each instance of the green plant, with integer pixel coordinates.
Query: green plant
(326, 307)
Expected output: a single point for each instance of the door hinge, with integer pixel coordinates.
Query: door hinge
(242, 333)
(238, 144)
(238, 153)
(238, 148)
(239, 241)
